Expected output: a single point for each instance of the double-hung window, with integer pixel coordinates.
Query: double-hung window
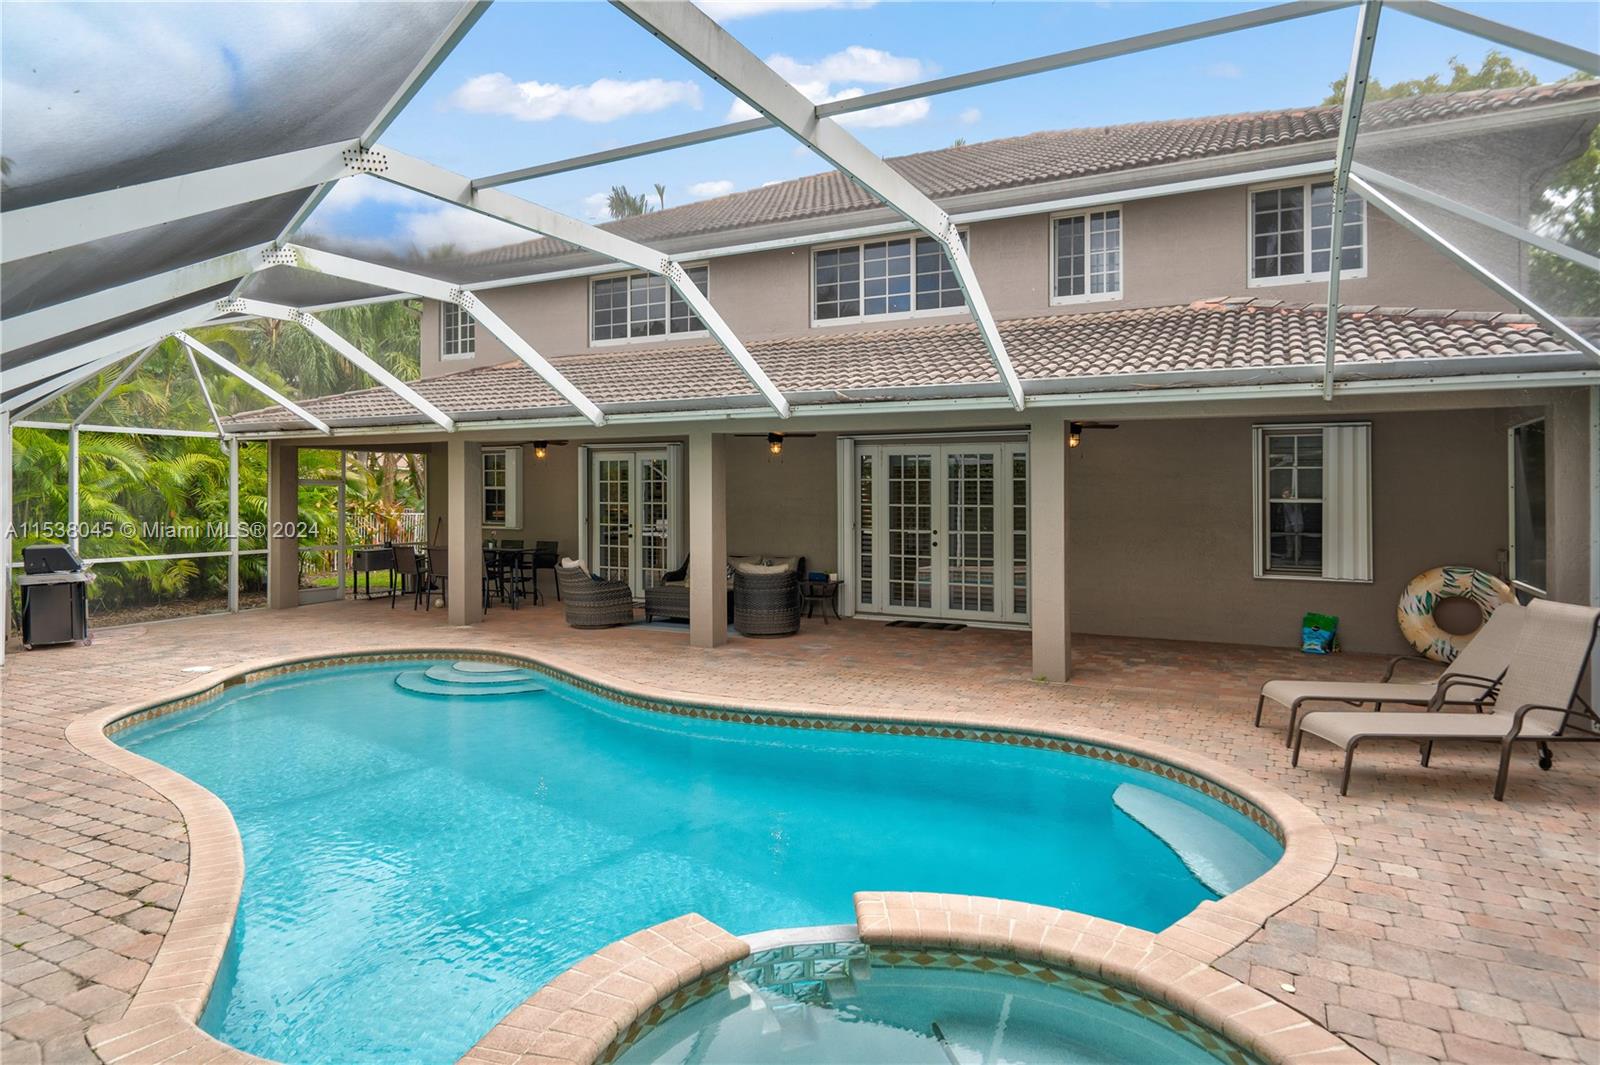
(457, 333)
(903, 276)
(643, 306)
(502, 477)
(1313, 507)
(1291, 234)
(1087, 256)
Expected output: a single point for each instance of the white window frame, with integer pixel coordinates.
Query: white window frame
(1346, 271)
(897, 316)
(513, 487)
(1360, 480)
(1122, 256)
(595, 342)
(465, 324)
(1511, 506)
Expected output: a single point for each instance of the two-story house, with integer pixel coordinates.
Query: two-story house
(1178, 470)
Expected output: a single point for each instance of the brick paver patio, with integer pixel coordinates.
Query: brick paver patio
(1453, 928)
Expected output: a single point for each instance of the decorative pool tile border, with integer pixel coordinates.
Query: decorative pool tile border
(167, 1005)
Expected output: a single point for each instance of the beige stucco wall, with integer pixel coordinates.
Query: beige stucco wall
(1177, 249)
(1162, 532)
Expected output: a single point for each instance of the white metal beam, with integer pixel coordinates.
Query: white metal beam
(95, 351)
(695, 36)
(29, 400)
(1355, 95)
(1500, 33)
(105, 393)
(426, 178)
(1473, 214)
(48, 227)
(253, 381)
(1389, 207)
(205, 394)
(319, 329)
(435, 289)
(989, 75)
(61, 318)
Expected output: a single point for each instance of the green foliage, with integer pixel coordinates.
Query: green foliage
(147, 495)
(1571, 214)
(1496, 71)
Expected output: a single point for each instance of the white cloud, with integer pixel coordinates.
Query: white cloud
(970, 117)
(819, 82)
(705, 190)
(855, 63)
(604, 100)
(1224, 70)
(351, 192)
(594, 206)
(457, 227)
(728, 10)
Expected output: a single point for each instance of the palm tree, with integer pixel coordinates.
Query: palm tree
(661, 195)
(624, 204)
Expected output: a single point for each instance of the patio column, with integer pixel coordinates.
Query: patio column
(283, 511)
(708, 540)
(464, 530)
(1047, 548)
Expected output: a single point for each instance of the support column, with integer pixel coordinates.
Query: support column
(232, 448)
(464, 530)
(1050, 603)
(74, 505)
(708, 540)
(6, 517)
(283, 512)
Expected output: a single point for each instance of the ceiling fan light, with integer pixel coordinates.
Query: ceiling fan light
(775, 443)
(541, 448)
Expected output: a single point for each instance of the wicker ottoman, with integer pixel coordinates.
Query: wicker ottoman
(766, 604)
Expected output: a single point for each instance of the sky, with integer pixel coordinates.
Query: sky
(539, 81)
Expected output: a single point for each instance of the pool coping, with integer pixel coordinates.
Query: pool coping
(166, 1008)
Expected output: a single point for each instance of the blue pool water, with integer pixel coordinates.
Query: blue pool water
(418, 864)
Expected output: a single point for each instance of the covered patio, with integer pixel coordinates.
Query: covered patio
(1443, 933)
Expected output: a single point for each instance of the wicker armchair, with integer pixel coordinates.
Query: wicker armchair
(593, 604)
(766, 604)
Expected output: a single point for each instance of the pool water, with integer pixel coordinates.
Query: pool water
(418, 864)
(913, 1016)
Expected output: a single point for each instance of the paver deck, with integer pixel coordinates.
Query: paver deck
(1453, 928)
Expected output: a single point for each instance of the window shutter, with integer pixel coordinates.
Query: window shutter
(1347, 496)
(513, 487)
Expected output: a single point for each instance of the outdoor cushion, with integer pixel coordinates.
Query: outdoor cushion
(786, 561)
(752, 569)
(1340, 727)
(1287, 691)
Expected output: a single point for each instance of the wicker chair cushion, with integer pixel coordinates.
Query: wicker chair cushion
(752, 569)
(785, 561)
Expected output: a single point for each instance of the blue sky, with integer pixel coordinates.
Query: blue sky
(540, 81)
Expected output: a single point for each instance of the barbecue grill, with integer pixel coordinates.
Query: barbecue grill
(55, 596)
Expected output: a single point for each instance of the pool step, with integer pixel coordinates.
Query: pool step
(452, 674)
(445, 680)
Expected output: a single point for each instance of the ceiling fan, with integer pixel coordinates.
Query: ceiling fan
(775, 440)
(1075, 430)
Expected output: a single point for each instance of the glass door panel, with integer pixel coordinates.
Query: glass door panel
(613, 517)
(910, 543)
(969, 533)
(655, 521)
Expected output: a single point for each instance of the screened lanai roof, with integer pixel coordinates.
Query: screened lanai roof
(152, 177)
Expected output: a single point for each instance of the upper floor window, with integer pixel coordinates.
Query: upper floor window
(1291, 233)
(457, 333)
(1088, 256)
(884, 277)
(639, 306)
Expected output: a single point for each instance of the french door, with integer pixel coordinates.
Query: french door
(942, 530)
(633, 516)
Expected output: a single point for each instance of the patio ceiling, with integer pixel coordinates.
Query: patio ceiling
(114, 241)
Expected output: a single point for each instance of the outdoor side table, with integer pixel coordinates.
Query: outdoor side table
(824, 592)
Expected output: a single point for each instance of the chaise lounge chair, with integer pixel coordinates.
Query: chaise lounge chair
(1532, 705)
(1467, 681)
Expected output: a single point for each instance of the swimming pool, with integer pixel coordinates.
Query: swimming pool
(417, 864)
